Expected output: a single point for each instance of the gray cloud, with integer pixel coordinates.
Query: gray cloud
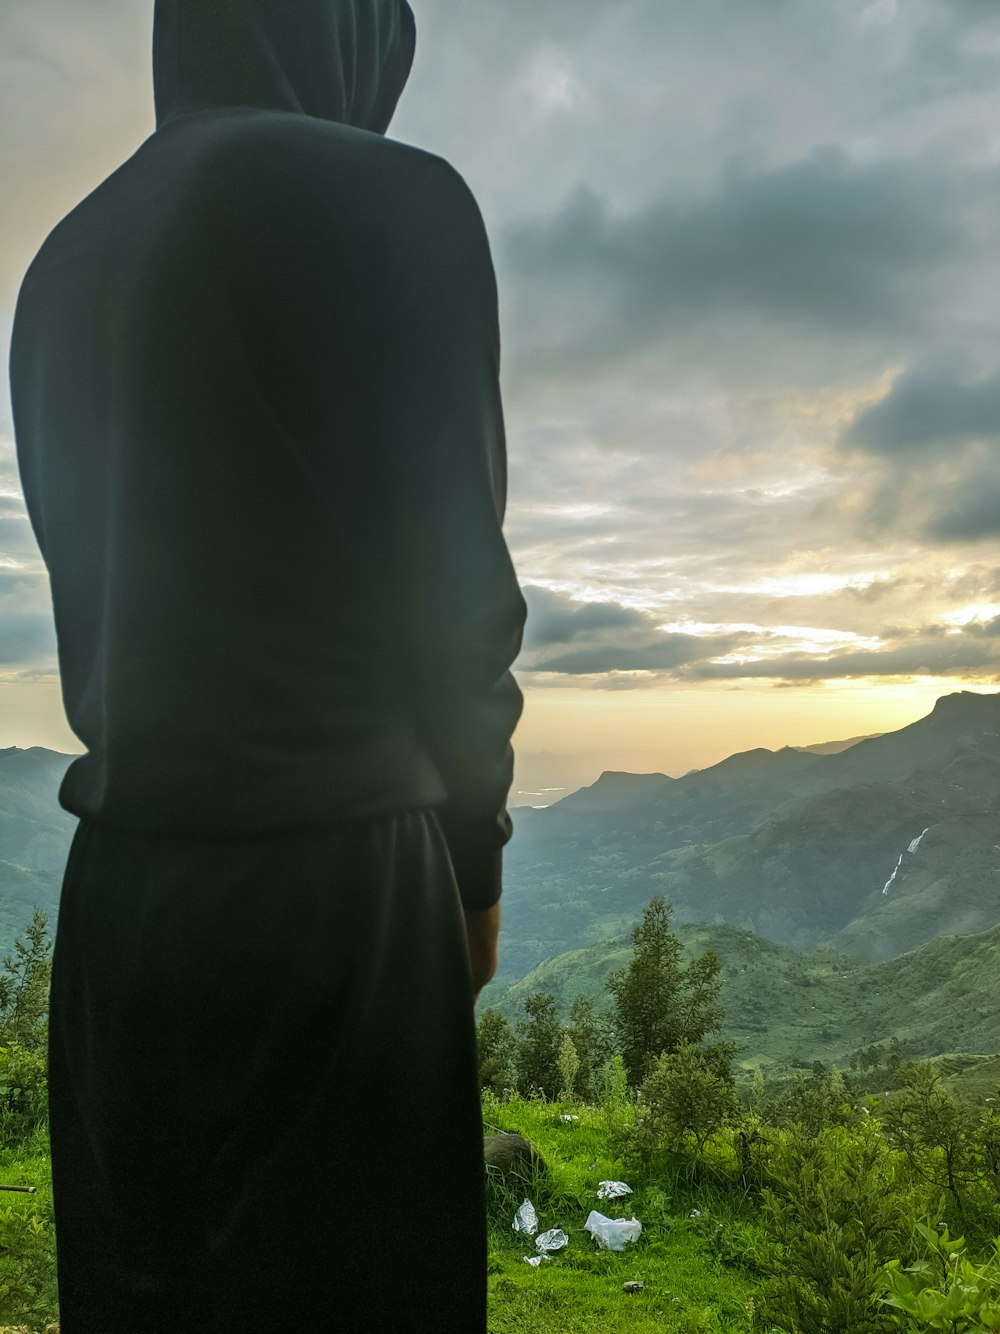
(15, 582)
(575, 638)
(935, 656)
(967, 511)
(928, 409)
(717, 227)
(26, 638)
(823, 242)
(934, 442)
(554, 619)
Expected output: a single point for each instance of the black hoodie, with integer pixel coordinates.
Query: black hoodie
(255, 386)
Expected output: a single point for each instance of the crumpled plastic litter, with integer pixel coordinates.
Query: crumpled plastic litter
(567, 1118)
(534, 1260)
(633, 1286)
(695, 1213)
(613, 1190)
(612, 1233)
(553, 1240)
(526, 1220)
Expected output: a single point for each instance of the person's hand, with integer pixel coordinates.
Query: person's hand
(482, 929)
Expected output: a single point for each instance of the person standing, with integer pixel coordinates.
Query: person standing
(256, 405)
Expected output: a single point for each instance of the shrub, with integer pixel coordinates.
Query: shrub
(938, 1134)
(683, 1103)
(24, 989)
(24, 999)
(27, 1264)
(943, 1289)
(814, 1102)
(591, 1036)
(23, 1093)
(833, 1221)
(753, 1146)
(568, 1064)
(539, 1042)
(495, 1044)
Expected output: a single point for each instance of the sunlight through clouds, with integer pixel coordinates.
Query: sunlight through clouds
(747, 263)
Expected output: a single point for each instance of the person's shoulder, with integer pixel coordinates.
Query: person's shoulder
(433, 197)
(422, 180)
(333, 162)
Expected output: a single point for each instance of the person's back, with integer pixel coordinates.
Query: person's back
(238, 410)
(254, 378)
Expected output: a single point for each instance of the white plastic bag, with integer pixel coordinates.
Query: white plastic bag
(525, 1220)
(613, 1234)
(551, 1241)
(613, 1190)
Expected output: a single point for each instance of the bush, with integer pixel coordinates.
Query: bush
(753, 1146)
(23, 1093)
(683, 1103)
(568, 1064)
(833, 1220)
(495, 1045)
(591, 1035)
(943, 1289)
(939, 1135)
(813, 1102)
(539, 1042)
(27, 1263)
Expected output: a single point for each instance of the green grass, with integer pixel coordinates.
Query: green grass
(28, 1294)
(688, 1285)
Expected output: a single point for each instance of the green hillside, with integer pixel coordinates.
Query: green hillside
(21, 891)
(791, 845)
(785, 1008)
(35, 834)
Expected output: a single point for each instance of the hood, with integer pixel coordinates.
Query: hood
(341, 60)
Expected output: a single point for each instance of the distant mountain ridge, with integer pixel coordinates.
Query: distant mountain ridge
(784, 1007)
(792, 845)
(35, 834)
(835, 747)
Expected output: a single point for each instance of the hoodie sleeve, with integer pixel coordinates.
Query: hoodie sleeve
(458, 613)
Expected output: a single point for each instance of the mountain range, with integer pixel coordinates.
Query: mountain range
(35, 834)
(785, 1008)
(804, 849)
(868, 851)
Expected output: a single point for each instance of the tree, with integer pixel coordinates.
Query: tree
(495, 1044)
(24, 989)
(684, 1097)
(658, 1003)
(24, 1030)
(812, 1102)
(569, 1066)
(539, 1042)
(592, 1040)
(938, 1134)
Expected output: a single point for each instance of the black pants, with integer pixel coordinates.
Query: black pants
(264, 1109)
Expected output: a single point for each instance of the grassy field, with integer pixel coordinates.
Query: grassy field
(28, 1297)
(688, 1286)
(698, 1258)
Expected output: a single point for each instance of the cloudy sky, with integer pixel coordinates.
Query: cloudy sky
(749, 258)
